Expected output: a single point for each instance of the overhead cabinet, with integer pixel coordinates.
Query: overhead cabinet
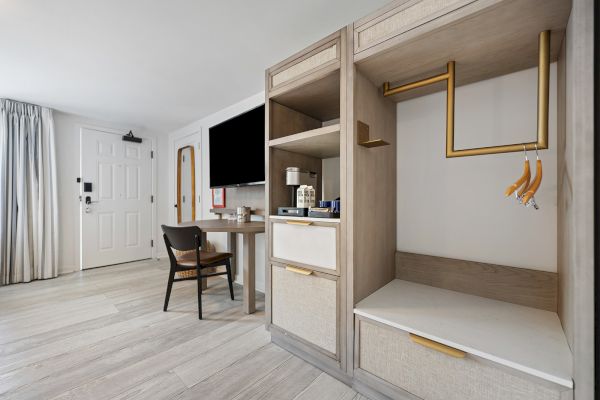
(311, 65)
(409, 14)
(485, 39)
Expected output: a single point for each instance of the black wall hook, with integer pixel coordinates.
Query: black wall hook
(130, 138)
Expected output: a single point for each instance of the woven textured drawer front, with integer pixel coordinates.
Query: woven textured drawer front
(312, 62)
(406, 17)
(389, 354)
(305, 305)
(312, 245)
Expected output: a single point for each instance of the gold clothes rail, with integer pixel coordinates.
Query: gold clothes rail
(542, 105)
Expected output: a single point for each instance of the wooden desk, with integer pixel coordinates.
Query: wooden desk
(248, 230)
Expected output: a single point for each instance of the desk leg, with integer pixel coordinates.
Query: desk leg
(232, 248)
(249, 293)
(203, 240)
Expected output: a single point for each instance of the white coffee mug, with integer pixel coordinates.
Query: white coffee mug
(243, 214)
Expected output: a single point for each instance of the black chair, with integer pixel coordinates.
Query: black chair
(187, 239)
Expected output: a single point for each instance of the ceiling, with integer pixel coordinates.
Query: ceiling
(157, 64)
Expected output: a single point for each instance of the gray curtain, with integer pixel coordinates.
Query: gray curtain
(28, 201)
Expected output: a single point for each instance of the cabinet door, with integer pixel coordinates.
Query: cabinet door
(305, 304)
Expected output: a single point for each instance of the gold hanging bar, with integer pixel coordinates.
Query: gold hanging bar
(543, 89)
(450, 110)
(449, 77)
(423, 82)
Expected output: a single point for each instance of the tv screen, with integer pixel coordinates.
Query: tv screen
(237, 150)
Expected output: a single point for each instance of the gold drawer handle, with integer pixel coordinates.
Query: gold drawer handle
(297, 270)
(303, 223)
(442, 348)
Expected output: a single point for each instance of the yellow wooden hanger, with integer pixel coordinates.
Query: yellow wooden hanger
(522, 182)
(528, 197)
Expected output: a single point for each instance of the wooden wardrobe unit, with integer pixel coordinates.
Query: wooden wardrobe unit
(326, 102)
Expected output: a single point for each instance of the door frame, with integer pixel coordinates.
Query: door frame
(153, 182)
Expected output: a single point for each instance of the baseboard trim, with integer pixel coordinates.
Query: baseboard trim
(68, 270)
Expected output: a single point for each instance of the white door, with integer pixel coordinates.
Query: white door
(116, 219)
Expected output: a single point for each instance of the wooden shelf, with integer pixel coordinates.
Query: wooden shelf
(523, 338)
(321, 142)
(501, 39)
(312, 219)
(363, 138)
(374, 143)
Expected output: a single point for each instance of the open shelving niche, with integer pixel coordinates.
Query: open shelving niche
(304, 123)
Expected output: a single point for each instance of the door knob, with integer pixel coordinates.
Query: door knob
(88, 202)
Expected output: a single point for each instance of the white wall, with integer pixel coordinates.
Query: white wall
(252, 195)
(67, 127)
(456, 207)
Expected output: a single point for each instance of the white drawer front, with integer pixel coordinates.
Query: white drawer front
(391, 355)
(314, 245)
(306, 306)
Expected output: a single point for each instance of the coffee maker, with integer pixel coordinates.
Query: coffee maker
(294, 178)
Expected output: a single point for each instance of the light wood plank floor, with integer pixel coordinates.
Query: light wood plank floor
(102, 334)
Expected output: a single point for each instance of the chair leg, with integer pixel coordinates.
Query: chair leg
(229, 277)
(199, 280)
(169, 286)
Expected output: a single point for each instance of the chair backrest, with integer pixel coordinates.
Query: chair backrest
(182, 238)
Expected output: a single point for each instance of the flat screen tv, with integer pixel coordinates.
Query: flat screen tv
(237, 150)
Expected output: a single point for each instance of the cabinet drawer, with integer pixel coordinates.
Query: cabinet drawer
(327, 54)
(306, 306)
(390, 354)
(306, 244)
(400, 19)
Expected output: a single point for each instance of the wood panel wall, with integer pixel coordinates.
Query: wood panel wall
(285, 121)
(374, 190)
(522, 286)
